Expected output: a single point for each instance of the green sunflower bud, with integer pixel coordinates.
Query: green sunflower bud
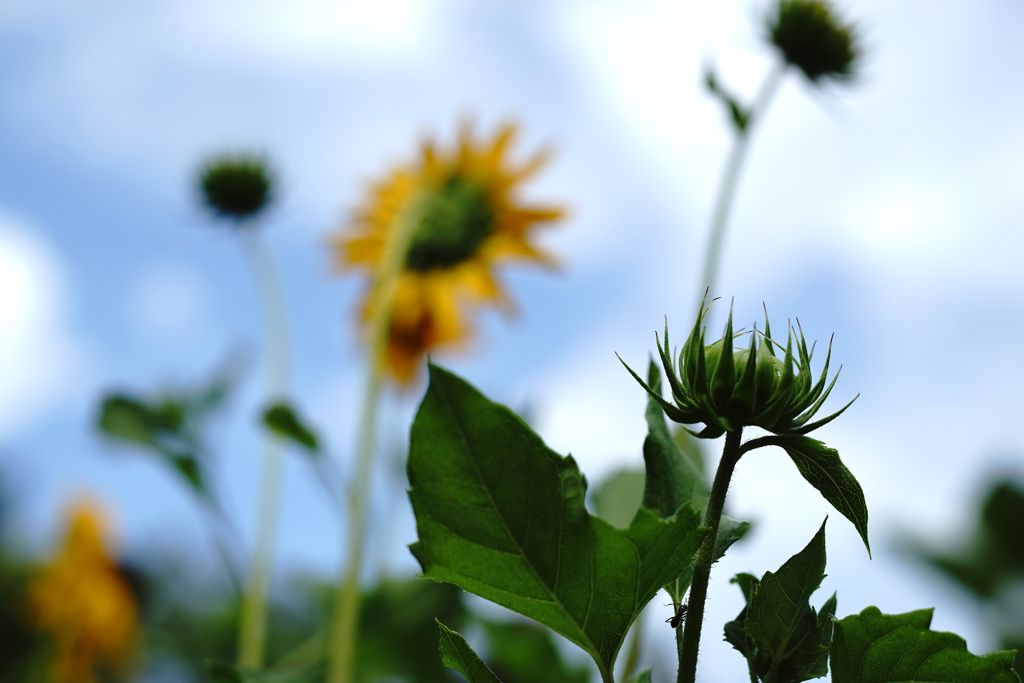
(812, 38)
(236, 186)
(727, 388)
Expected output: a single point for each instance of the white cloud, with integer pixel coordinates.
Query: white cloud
(37, 354)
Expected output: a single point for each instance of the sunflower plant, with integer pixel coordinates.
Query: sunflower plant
(498, 513)
(501, 515)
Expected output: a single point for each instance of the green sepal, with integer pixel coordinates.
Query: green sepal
(821, 467)
(808, 428)
(673, 412)
(723, 380)
(744, 397)
(872, 647)
(767, 370)
(457, 654)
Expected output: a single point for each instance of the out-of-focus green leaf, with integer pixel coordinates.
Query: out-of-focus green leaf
(221, 672)
(517, 652)
(400, 614)
(693, 449)
(170, 426)
(672, 480)
(282, 419)
(457, 654)
(126, 417)
(501, 515)
(642, 677)
(617, 498)
(872, 647)
(159, 428)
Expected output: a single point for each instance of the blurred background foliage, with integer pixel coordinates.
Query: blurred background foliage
(986, 562)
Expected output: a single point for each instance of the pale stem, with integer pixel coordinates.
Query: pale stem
(730, 180)
(253, 626)
(345, 623)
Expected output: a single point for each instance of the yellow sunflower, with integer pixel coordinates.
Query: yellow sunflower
(84, 603)
(464, 217)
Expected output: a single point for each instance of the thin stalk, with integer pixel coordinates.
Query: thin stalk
(344, 626)
(705, 558)
(253, 627)
(633, 653)
(222, 531)
(730, 179)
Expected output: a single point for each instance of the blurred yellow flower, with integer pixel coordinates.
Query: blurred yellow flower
(83, 603)
(465, 218)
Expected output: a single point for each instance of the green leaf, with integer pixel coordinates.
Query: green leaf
(781, 623)
(729, 531)
(821, 467)
(403, 612)
(872, 647)
(693, 450)
(281, 419)
(502, 516)
(127, 418)
(735, 630)
(221, 672)
(617, 498)
(520, 650)
(642, 677)
(672, 480)
(159, 428)
(457, 654)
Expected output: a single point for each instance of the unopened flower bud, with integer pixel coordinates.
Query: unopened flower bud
(237, 186)
(813, 39)
(725, 388)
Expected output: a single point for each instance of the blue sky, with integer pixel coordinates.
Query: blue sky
(888, 213)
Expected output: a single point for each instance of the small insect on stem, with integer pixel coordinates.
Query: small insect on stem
(678, 618)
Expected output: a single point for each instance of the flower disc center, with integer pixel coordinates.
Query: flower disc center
(456, 219)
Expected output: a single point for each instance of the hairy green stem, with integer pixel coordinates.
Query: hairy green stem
(345, 622)
(253, 626)
(730, 179)
(706, 557)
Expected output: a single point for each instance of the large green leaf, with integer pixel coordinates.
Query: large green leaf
(457, 654)
(783, 638)
(502, 516)
(672, 479)
(822, 468)
(872, 647)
